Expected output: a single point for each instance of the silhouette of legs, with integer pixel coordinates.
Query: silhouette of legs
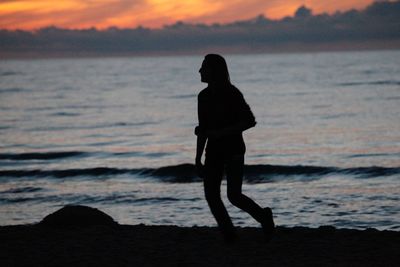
(212, 187)
(234, 177)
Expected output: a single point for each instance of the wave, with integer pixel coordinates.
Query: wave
(91, 127)
(374, 155)
(13, 90)
(70, 154)
(85, 199)
(40, 156)
(26, 189)
(185, 173)
(65, 114)
(183, 96)
(10, 73)
(384, 82)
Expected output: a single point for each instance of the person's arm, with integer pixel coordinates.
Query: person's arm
(200, 144)
(201, 138)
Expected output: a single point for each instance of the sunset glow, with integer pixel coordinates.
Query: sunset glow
(77, 14)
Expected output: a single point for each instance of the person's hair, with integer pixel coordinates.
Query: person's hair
(219, 68)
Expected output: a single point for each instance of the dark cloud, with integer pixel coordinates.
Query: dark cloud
(379, 22)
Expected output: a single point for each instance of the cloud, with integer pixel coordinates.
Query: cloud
(274, 9)
(66, 13)
(378, 23)
(78, 14)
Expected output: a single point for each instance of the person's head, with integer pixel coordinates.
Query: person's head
(214, 70)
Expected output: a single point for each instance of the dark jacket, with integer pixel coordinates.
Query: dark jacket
(220, 108)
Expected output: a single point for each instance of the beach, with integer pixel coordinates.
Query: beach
(141, 245)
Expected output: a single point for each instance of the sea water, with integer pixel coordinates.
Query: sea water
(117, 134)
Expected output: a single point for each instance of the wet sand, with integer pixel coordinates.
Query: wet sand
(140, 245)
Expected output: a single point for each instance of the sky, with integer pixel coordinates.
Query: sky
(101, 14)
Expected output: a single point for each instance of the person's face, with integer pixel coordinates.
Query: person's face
(205, 72)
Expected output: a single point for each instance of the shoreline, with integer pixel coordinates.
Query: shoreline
(294, 48)
(141, 245)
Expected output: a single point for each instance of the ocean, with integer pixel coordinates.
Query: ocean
(117, 134)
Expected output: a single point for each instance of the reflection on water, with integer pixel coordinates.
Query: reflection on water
(318, 109)
(333, 200)
(330, 110)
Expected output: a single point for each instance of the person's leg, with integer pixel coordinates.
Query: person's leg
(214, 169)
(234, 176)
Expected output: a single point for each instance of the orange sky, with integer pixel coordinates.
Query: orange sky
(34, 14)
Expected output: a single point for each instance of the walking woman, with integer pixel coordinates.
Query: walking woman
(223, 115)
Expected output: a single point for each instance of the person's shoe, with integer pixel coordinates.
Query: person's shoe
(268, 224)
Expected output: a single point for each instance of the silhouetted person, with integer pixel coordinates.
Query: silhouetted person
(223, 115)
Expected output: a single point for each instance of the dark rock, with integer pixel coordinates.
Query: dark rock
(72, 215)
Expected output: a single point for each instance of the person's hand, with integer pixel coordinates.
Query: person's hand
(197, 130)
(200, 169)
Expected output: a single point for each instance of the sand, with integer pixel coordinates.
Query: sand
(140, 245)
